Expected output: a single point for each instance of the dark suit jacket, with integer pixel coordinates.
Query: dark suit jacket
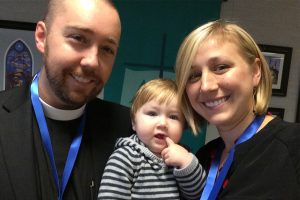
(18, 171)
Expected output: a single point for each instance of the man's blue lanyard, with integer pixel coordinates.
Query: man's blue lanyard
(74, 148)
(214, 185)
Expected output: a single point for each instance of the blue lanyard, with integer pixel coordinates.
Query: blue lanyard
(214, 185)
(74, 148)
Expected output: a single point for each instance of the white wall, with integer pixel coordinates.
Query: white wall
(22, 10)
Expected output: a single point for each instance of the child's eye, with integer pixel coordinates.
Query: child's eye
(174, 117)
(151, 113)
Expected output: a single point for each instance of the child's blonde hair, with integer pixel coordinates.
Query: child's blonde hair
(161, 90)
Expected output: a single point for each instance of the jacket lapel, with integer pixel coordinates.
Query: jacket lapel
(16, 137)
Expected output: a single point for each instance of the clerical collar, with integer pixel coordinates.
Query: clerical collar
(61, 115)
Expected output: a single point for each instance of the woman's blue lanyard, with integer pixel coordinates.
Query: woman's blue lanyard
(75, 145)
(214, 185)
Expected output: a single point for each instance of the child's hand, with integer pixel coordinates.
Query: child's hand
(175, 155)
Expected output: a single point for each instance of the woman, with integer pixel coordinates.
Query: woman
(224, 80)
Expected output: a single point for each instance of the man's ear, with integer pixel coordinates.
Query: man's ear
(256, 72)
(40, 36)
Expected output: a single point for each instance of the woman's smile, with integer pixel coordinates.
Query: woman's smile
(215, 103)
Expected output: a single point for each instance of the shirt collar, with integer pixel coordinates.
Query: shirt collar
(61, 115)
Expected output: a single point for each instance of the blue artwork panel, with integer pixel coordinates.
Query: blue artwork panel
(18, 65)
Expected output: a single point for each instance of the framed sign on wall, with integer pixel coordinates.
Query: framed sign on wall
(19, 57)
(279, 112)
(279, 60)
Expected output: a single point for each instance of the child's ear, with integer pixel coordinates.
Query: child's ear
(133, 125)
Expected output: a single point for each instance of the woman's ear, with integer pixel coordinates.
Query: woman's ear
(40, 36)
(256, 71)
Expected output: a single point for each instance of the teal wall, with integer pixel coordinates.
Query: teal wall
(152, 31)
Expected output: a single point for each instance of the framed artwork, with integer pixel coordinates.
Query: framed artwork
(18, 54)
(279, 112)
(279, 60)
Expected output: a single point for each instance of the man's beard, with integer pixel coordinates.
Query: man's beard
(57, 84)
(56, 81)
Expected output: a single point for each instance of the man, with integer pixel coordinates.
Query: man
(55, 136)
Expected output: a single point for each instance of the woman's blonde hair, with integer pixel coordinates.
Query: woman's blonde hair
(224, 31)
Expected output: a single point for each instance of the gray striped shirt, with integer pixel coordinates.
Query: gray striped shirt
(134, 172)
